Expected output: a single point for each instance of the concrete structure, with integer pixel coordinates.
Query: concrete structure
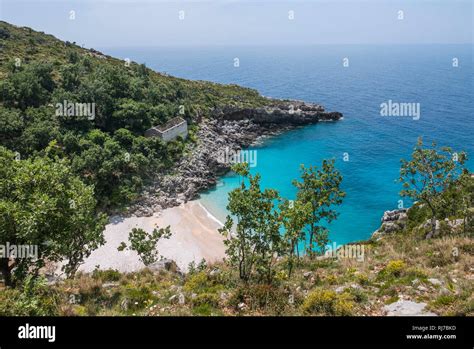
(170, 130)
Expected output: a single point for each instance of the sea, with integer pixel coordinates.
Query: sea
(356, 80)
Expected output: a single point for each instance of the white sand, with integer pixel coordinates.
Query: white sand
(194, 237)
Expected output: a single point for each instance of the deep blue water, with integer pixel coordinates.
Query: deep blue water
(375, 144)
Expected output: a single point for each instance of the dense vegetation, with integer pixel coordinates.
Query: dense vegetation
(72, 143)
(44, 204)
(106, 149)
(398, 266)
(259, 238)
(59, 170)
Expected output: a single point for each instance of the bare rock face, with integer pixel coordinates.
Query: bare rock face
(392, 221)
(396, 220)
(407, 308)
(294, 113)
(165, 264)
(229, 130)
(446, 226)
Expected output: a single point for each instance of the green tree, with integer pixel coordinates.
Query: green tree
(70, 74)
(321, 189)
(295, 215)
(256, 242)
(11, 126)
(429, 173)
(131, 115)
(43, 203)
(144, 244)
(28, 87)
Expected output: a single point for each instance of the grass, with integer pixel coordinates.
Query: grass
(391, 271)
(398, 267)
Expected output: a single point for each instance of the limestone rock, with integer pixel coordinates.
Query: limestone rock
(232, 129)
(435, 282)
(242, 306)
(407, 308)
(392, 221)
(164, 264)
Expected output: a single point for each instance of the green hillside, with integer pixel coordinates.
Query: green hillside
(38, 71)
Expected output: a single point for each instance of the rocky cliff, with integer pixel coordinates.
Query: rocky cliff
(295, 113)
(228, 129)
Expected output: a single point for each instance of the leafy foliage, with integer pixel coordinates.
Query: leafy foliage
(295, 216)
(430, 177)
(328, 302)
(43, 203)
(145, 244)
(321, 189)
(257, 239)
(39, 73)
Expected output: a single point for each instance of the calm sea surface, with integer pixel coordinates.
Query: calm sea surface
(373, 143)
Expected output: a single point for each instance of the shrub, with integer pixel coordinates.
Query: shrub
(417, 273)
(33, 299)
(203, 310)
(210, 299)
(89, 289)
(362, 279)
(441, 256)
(270, 298)
(394, 268)
(197, 283)
(137, 298)
(358, 295)
(331, 279)
(328, 302)
(106, 275)
(344, 305)
(267, 296)
(79, 310)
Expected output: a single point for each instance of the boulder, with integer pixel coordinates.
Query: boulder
(407, 308)
(435, 282)
(214, 272)
(392, 222)
(242, 306)
(164, 264)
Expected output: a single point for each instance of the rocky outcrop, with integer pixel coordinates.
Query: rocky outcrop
(229, 130)
(293, 113)
(392, 221)
(407, 308)
(165, 264)
(396, 220)
(442, 227)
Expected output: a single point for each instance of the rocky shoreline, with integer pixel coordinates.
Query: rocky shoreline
(231, 128)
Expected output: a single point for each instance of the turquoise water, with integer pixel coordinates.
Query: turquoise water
(406, 73)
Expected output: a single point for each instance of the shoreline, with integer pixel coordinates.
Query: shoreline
(231, 128)
(194, 237)
(209, 213)
(174, 198)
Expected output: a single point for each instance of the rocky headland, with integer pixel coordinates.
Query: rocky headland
(230, 128)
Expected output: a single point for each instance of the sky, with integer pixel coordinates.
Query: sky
(151, 23)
